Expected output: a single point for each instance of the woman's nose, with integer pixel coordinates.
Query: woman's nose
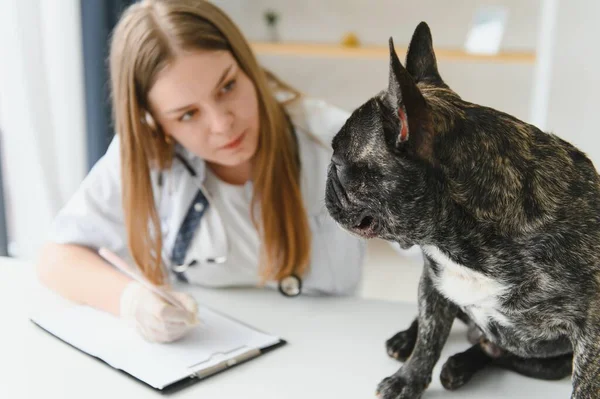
(220, 120)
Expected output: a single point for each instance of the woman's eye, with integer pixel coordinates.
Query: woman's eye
(229, 86)
(187, 116)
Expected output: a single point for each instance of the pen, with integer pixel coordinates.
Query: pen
(122, 266)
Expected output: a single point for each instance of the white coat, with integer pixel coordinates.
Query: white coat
(93, 217)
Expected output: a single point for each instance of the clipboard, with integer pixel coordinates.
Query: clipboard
(193, 374)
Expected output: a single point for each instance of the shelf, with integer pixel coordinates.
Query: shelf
(370, 52)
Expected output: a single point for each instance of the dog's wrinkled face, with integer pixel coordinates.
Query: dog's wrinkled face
(377, 180)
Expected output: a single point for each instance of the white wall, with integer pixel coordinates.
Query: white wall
(350, 82)
(375, 21)
(573, 101)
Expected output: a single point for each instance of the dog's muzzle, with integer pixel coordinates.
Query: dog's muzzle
(353, 218)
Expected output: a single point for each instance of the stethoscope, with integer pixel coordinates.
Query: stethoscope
(289, 286)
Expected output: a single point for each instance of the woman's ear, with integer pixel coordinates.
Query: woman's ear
(157, 132)
(148, 120)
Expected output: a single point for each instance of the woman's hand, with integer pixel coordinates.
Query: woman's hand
(155, 319)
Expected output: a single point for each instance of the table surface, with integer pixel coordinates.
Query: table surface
(335, 349)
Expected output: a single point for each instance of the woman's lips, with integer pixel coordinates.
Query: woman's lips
(235, 142)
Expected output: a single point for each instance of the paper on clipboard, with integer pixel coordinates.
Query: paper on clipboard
(219, 343)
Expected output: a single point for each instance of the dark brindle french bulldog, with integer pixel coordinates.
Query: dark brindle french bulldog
(507, 216)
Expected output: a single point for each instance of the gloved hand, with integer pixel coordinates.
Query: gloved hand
(154, 318)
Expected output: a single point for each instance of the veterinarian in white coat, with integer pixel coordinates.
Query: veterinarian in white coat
(94, 217)
(202, 129)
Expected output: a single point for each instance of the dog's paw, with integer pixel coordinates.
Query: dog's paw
(401, 345)
(401, 387)
(455, 373)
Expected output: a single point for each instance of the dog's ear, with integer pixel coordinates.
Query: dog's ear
(420, 58)
(405, 99)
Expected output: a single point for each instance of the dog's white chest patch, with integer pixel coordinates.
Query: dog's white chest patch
(475, 292)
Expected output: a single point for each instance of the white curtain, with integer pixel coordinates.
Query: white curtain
(41, 115)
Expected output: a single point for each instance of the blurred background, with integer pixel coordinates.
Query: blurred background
(535, 59)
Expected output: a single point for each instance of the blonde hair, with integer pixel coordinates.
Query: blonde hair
(148, 36)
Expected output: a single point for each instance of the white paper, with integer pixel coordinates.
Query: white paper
(108, 338)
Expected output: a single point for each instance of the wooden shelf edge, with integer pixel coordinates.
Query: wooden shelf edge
(339, 51)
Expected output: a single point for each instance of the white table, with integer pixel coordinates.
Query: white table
(335, 350)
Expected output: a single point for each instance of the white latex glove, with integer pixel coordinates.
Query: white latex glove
(154, 318)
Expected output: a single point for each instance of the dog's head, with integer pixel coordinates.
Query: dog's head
(379, 180)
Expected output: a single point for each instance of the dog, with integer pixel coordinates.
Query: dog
(507, 217)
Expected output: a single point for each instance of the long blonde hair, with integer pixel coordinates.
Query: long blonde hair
(148, 37)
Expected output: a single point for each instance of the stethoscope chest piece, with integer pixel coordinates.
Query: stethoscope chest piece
(290, 286)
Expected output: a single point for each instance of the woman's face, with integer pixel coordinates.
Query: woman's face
(209, 105)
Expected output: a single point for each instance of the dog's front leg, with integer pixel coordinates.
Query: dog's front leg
(586, 361)
(436, 315)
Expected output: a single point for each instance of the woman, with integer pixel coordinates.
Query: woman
(225, 161)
